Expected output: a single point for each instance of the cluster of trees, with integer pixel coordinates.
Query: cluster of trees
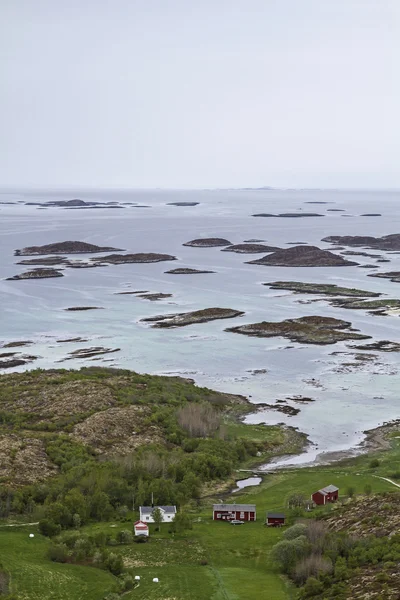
(89, 490)
(322, 562)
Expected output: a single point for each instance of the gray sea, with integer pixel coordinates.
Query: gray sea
(347, 400)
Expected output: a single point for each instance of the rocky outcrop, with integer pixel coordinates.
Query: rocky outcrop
(90, 352)
(309, 330)
(381, 345)
(191, 318)
(303, 256)
(250, 248)
(154, 296)
(387, 242)
(140, 257)
(37, 274)
(64, 248)
(208, 243)
(187, 271)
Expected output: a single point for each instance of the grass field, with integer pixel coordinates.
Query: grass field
(214, 561)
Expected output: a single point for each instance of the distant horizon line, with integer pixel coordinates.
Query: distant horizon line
(68, 188)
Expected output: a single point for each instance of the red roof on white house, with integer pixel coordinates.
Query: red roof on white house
(140, 525)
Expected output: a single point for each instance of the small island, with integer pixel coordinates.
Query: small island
(289, 215)
(140, 257)
(49, 261)
(325, 289)
(36, 274)
(393, 276)
(191, 318)
(250, 248)
(208, 243)
(303, 256)
(308, 330)
(65, 248)
(182, 203)
(78, 308)
(186, 271)
(387, 242)
(153, 297)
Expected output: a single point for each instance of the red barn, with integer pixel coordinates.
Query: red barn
(230, 512)
(275, 519)
(327, 494)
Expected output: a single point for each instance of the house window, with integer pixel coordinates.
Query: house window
(218, 515)
(242, 515)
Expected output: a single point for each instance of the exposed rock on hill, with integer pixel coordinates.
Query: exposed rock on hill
(190, 318)
(250, 248)
(64, 248)
(309, 330)
(387, 242)
(303, 256)
(37, 274)
(208, 243)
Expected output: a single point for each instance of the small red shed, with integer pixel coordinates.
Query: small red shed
(141, 528)
(275, 519)
(230, 512)
(328, 494)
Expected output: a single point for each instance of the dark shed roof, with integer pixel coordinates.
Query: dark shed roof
(274, 515)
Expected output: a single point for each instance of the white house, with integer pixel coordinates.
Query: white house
(168, 513)
(141, 528)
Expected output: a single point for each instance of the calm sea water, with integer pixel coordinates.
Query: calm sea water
(345, 403)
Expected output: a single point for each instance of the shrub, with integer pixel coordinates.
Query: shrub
(311, 566)
(58, 553)
(351, 491)
(295, 531)
(287, 553)
(313, 587)
(199, 420)
(49, 528)
(114, 563)
(374, 463)
(367, 489)
(124, 537)
(297, 501)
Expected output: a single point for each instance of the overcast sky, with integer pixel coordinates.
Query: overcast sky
(200, 93)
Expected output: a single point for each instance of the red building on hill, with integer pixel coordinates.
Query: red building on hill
(328, 494)
(275, 519)
(238, 512)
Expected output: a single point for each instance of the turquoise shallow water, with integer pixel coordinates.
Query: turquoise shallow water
(345, 403)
